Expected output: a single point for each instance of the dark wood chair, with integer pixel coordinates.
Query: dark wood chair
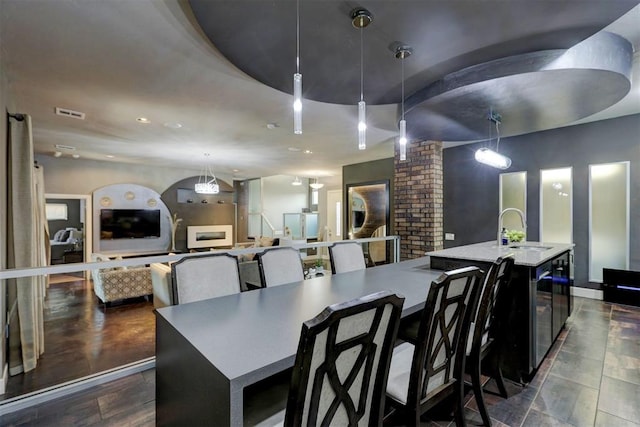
(425, 374)
(341, 367)
(484, 352)
(201, 277)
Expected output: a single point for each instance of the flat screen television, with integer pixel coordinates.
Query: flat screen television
(129, 224)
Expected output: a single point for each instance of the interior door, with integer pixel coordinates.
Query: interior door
(334, 216)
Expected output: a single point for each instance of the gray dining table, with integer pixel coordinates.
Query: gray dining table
(208, 352)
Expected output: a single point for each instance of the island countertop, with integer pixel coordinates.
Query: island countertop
(530, 254)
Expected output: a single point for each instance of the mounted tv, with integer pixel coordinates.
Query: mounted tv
(129, 224)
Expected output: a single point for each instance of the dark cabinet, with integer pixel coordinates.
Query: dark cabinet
(540, 306)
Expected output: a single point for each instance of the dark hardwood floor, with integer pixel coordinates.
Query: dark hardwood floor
(82, 338)
(591, 377)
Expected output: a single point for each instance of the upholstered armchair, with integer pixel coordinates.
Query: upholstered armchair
(112, 284)
(161, 281)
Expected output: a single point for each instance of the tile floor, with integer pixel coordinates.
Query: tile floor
(590, 378)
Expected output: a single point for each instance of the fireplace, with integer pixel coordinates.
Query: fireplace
(209, 236)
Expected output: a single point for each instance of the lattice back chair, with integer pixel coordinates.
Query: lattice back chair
(346, 256)
(203, 277)
(488, 329)
(279, 266)
(423, 375)
(342, 363)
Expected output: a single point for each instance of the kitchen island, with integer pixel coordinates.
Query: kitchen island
(540, 295)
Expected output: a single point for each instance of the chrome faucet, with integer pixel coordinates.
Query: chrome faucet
(524, 223)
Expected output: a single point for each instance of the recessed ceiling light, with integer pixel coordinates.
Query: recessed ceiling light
(272, 126)
(110, 156)
(236, 170)
(76, 156)
(293, 149)
(143, 120)
(57, 154)
(173, 125)
(308, 152)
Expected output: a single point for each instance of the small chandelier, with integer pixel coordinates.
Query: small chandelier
(207, 183)
(489, 157)
(316, 185)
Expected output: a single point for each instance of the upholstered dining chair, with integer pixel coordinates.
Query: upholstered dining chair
(424, 374)
(279, 266)
(346, 256)
(488, 328)
(341, 367)
(204, 276)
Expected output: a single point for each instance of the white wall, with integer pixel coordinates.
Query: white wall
(280, 197)
(71, 176)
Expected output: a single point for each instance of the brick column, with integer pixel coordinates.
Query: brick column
(418, 199)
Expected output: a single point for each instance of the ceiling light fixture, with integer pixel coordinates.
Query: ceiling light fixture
(297, 80)
(143, 120)
(57, 154)
(316, 185)
(403, 52)
(207, 183)
(296, 182)
(360, 18)
(490, 157)
(173, 125)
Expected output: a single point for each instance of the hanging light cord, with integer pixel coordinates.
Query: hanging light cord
(498, 134)
(361, 65)
(402, 100)
(298, 36)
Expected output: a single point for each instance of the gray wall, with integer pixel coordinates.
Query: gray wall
(199, 209)
(73, 216)
(471, 189)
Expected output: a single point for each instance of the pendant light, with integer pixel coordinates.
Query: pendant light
(296, 182)
(360, 18)
(297, 80)
(316, 185)
(489, 157)
(207, 183)
(403, 52)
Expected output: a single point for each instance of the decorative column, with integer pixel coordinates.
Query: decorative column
(418, 199)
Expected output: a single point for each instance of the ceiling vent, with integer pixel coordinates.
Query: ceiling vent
(69, 113)
(65, 147)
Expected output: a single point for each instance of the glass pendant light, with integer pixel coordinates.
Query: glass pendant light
(297, 80)
(401, 53)
(360, 18)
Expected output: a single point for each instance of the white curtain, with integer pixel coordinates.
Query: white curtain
(27, 247)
